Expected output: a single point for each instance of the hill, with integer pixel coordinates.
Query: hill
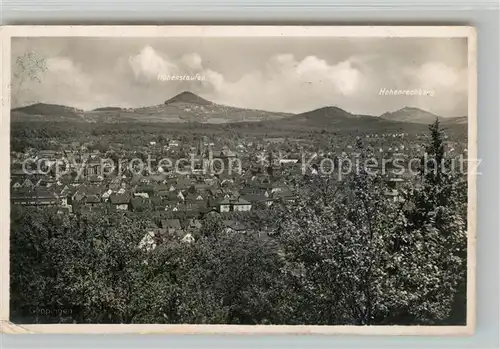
(411, 114)
(188, 107)
(334, 119)
(43, 111)
(184, 107)
(188, 97)
(327, 115)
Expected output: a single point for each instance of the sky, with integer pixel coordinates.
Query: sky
(271, 73)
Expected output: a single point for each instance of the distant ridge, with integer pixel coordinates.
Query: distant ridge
(108, 109)
(333, 118)
(187, 107)
(325, 114)
(411, 114)
(459, 120)
(46, 109)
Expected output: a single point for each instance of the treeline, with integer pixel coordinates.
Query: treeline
(342, 254)
(32, 132)
(49, 135)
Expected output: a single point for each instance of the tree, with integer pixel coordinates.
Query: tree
(438, 209)
(338, 238)
(27, 68)
(232, 279)
(91, 262)
(211, 225)
(358, 260)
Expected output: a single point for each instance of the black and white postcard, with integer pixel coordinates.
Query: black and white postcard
(238, 179)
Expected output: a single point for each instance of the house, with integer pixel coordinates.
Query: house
(45, 198)
(145, 180)
(171, 205)
(27, 183)
(95, 179)
(84, 191)
(190, 210)
(230, 194)
(215, 192)
(119, 201)
(224, 205)
(258, 199)
(285, 195)
(92, 167)
(144, 191)
(46, 182)
(188, 238)
(162, 193)
(195, 198)
(201, 186)
(105, 196)
(232, 202)
(64, 195)
(231, 226)
(193, 225)
(35, 197)
(224, 153)
(78, 196)
(180, 235)
(241, 205)
(180, 196)
(92, 200)
(174, 224)
(213, 213)
(148, 242)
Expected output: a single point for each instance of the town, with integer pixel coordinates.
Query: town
(243, 176)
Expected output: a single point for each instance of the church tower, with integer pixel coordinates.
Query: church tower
(201, 148)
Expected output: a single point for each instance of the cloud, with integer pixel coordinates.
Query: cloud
(449, 84)
(437, 75)
(192, 61)
(63, 81)
(63, 72)
(288, 84)
(149, 63)
(281, 82)
(284, 83)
